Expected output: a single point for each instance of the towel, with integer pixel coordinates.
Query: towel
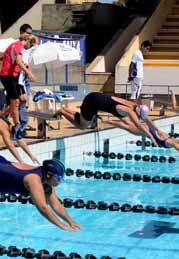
(48, 94)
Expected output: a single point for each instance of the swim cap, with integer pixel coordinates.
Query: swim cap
(54, 167)
(142, 111)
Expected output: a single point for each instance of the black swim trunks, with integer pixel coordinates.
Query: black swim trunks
(11, 86)
(95, 102)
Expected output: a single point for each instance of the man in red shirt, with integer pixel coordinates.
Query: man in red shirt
(11, 66)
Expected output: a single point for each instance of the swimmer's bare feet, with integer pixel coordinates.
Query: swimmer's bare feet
(57, 115)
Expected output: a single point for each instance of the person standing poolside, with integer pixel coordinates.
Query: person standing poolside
(11, 66)
(136, 73)
(119, 107)
(38, 182)
(5, 132)
(23, 78)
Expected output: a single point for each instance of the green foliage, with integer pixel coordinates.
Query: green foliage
(122, 3)
(143, 7)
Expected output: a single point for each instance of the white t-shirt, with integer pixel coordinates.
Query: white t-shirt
(26, 58)
(27, 55)
(138, 60)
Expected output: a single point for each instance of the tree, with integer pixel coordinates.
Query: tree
(122, 3)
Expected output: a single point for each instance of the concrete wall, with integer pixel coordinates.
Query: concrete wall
(60, 16)
(33, 17)
(101, 82)
(153, 75)
(107, 59)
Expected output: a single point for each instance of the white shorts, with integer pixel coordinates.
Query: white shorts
(136, 85)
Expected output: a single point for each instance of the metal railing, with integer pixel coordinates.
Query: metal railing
(147, 89)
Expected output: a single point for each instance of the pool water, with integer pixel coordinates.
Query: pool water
(106, 233)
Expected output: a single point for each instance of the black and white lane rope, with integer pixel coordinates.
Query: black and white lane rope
(13, 251)
(124, 177)
(99, 205)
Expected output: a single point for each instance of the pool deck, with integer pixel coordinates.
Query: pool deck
(67, 129)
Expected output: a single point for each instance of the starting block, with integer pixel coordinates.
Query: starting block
(42, 119)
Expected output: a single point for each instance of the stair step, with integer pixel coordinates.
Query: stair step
(161, 62)
(166, 39)
(175, 5)
(162, 55)
(171, 25)
(168, 32)
(173, 16)
(165, 47)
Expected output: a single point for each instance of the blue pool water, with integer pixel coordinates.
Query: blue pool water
(130, 235)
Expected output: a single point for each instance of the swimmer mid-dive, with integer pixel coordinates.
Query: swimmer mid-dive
(162, 138)
(119, 107)
(38, 182)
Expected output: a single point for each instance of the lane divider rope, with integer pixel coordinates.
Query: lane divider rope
(125, 177)
(136, 157)
(100, 205)
(13, 251)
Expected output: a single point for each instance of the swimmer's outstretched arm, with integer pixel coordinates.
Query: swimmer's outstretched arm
(124, 124)
(26, 149)
(60, 210)
(151, 123)
(10, 145)
(34, 185)
(141, 126)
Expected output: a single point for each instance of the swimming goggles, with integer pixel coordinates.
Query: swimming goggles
(57, 176)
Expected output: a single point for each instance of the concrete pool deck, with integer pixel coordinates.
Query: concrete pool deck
(67, 129)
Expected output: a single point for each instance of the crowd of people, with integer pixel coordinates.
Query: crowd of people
(40, 181)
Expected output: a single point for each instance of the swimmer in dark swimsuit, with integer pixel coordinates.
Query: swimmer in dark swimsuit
(5, 132)
(119, 107)
(39, 183)
(162, 138)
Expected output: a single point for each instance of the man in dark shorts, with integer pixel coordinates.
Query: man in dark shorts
(119, 107)
(23, 79)
(11, 66)
(38, 182)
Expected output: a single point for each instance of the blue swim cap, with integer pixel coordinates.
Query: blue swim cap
(54, 167)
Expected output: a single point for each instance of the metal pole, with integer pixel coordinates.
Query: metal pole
(66, 73)
(106, 150)
(172, 131)
(143, 142)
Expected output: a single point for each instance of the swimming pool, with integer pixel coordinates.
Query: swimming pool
(106, 233)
